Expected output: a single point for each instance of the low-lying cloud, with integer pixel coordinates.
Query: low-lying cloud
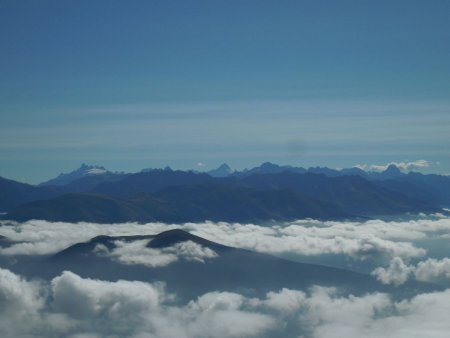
(72, 306)
(138, 252)
(405, 166)
(396, 273)
(374, 239)
(431, 270)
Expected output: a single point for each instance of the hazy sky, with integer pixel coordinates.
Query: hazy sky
(134, 84)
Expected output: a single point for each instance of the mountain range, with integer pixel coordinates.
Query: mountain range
(264, 193)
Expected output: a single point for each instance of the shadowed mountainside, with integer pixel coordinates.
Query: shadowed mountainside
(264, 193)
(181, 204)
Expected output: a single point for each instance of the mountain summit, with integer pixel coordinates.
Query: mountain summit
(83, 171)
(223, 170)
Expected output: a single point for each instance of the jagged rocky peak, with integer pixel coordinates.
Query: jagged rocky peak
(83, 171)
(391, 171)
(222, 171)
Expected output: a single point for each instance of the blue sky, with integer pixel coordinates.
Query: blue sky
(134, 84)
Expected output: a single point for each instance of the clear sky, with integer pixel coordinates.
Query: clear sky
(135, 84)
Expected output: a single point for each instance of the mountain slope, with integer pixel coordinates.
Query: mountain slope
(353, 193)
(83, 207)
(432, 188)
(223, 170)
(237, 204)
(181, 204)
(14, 193)
(150, 182)
(228, 269)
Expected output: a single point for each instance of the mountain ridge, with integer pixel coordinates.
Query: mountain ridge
(271, 192)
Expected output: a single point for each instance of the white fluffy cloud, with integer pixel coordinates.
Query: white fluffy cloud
(433, 270)
(430, 270)
(360, 240)
(397, 273)
(79, 307)
(310, 238)
(23, 309)
(76, 307)
(42, 237)
(137, 252)
(17, 296)
(375, 316)
(406, 166)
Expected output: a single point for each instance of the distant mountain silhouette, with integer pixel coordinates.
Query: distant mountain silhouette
(391, 171)
(353, 172)
(146, 170)
(223, 170)
(83, 171)
(324, 171)
(150, 182)
(90, 182)
(262, 193)
(268, 168)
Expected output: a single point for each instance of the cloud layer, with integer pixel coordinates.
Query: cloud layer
(374, 239)
(72, 306)
(76, 307)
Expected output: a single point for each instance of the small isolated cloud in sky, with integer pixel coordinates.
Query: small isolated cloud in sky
(405, 166)
(138, 252)
(72, 306)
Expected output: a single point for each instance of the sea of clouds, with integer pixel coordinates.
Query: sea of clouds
(76, 307)
(393, 250)
(72, 306)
